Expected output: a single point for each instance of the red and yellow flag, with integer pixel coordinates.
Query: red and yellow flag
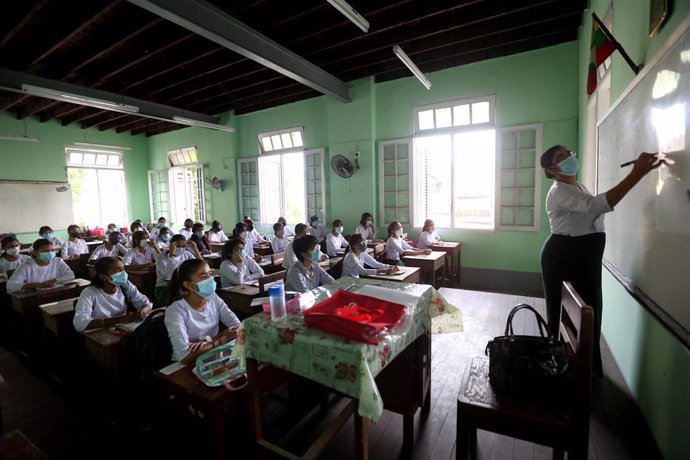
(600, 49)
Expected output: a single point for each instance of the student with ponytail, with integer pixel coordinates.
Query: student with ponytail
(192, 319)
(104, 303)
(44, 270)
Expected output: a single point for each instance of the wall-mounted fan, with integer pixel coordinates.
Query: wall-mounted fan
(215, 183)
(343, 167)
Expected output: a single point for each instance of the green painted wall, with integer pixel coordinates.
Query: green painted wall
(45, 160)
(655, 365)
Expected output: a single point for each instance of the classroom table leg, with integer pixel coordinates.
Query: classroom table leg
(255, 394)
(361, 437)
(217, 422)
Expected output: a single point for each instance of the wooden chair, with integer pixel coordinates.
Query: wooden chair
(562, 424)
(264, 280)
(337, 269)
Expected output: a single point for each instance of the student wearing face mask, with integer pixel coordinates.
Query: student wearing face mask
(47, 233)
(253, 237)
(163, 238)
(186, 231)
(290, 257)
(104, 303)
(10, 258)
(143, 253)
(112, 228)
(306, 274)
(335, 240)
(240, 231)
(356, 257)
(43, 270)
(216, 235)
(168, 261)
(366, 228)
(111, 248)
(237, 267)
(74, 246)
(428, 237)
(153, 235)
(192, 319)
(574, 250)
(288, 231)
(133, 228)
(396, 247)
(200, 239)
(316, 228)
(280, 242)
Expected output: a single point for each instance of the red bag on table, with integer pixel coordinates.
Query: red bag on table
(354, 316)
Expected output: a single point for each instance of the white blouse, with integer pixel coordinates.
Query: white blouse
(368, 232)
(135, 257)
(217, 237)
(279, 244)
(298, 279)
(354, 266)
(95, 303)
(395, 247)
(31, 272)
(233, 275)
(290, 257)
(102, 251)
(426, 239)
(334, 243)
(186, 233)
(6, 265)
(573, 211)
(186, 325)
(74, 248)
(166, 265)
(253, 237)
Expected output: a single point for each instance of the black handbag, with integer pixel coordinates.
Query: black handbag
(526, 363)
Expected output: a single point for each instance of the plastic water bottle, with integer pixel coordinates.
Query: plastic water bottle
(276, 297)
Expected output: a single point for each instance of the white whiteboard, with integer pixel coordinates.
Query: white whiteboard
(27, 206)
(648, 234)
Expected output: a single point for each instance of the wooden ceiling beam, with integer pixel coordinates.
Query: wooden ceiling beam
(107, 117)
(143, 128)
(164, 129)
(116, 121)
(128, 126)
(20, 25)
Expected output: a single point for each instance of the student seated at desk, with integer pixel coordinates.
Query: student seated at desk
(144, 251)
(47, 233)
(335, 240)
(280, 242)
(186, 231)
(356, 257)
(43, 270)
(104, 303)
(216, 234)
(133, 228)
(428, 236)
(153, 234)
(200, 239)
(112, 228)
(10, 258)
(111, 248)
(192, 319)
(366, 228)
(316, 228)
(163, 238)
(240, 231)
(288, 231)
(140, 226)
(306, 274)
(253, 237)
(396, 247)
(237, 267)
(74, 246)
(168, 261)
(290, 258)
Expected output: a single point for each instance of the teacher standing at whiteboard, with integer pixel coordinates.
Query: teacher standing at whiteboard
(574, 250)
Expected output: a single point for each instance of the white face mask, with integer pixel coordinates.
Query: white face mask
(399, 232)
(143, 243)
(243, 235)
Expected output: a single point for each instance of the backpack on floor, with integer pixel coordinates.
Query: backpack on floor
(149, 348)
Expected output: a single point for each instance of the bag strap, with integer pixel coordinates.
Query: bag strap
(540, 320)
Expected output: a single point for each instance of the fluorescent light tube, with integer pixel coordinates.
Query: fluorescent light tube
(19, 138)
(411, 65)
(351, 14)
(102, 146)
(78, 99)
(202, 124)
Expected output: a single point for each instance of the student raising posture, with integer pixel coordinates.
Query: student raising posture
(111, 248)
(200, 239)
(74, 246)
(366, 228)
(290, 257)
(192, 320)
(10, 258)
(396, 247)
(168, 261)
(280, 242)
(187, 230)
(104, 303)
(42, 271)
(237, 267)
(356, 257)
(47, 233)
(306, 274)
(144, 251)
(288, 231)
(217, 235)
(428, 235)
(335, 240)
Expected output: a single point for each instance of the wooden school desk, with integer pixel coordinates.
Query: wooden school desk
(60, 336)
(213, 260)
(265, 250)
(105, 346)
(144, 280)
(92, 245)
(452, 249)
(378, 249)
(428, 264)
(27, 314)
(78, 265)
(239, 299)
(405, 275)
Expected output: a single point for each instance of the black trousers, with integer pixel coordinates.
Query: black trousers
(576, 259)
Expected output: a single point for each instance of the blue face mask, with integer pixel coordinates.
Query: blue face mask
(339, 230)
(161, 225)
(178, 252)
(243, 253)
(119, 278)
(200, 234)
(362, 247)
(569, 166)
(206, 287)
(369, 222)
(165, 237)
(46, 256)
(48, 236)
(315, 255)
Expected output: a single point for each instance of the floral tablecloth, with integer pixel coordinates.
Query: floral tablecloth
(344, 365)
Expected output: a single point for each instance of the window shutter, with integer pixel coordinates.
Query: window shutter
(315, 190)
(159, 195)
(395, 181)
(249, 188)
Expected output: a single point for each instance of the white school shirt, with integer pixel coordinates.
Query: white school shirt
(334, 243)
(317, 232)
(102, 251)
(368, 232)
(290, 257)
(217, 237)
(299, 280)
(279, 244)
(245, 273)
(288, 231)
(74, 248)
(6, 265)
(166, 265)
(95, 303)
(153, 234)
(253, 237)
(56, 242)
(573, 211)
(135, 257)
(395, 247)
(186, 325)
(31, 272)
(186, 233)
(426, 239)
(354, 266)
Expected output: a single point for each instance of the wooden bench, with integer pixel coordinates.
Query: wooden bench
(273, 277)
(562, 424)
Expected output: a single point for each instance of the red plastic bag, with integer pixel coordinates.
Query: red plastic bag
(355, 316)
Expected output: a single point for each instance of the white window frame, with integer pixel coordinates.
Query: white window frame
(410, 174)
(278, 132)
(490, 98)
(320, 212)
(161, 206)
(75, 149)
(241, 208)
(174, 152)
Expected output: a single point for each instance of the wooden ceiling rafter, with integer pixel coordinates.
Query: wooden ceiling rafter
(145, 127)
(21, 24)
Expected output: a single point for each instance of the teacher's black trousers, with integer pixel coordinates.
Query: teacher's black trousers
(576, 259)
